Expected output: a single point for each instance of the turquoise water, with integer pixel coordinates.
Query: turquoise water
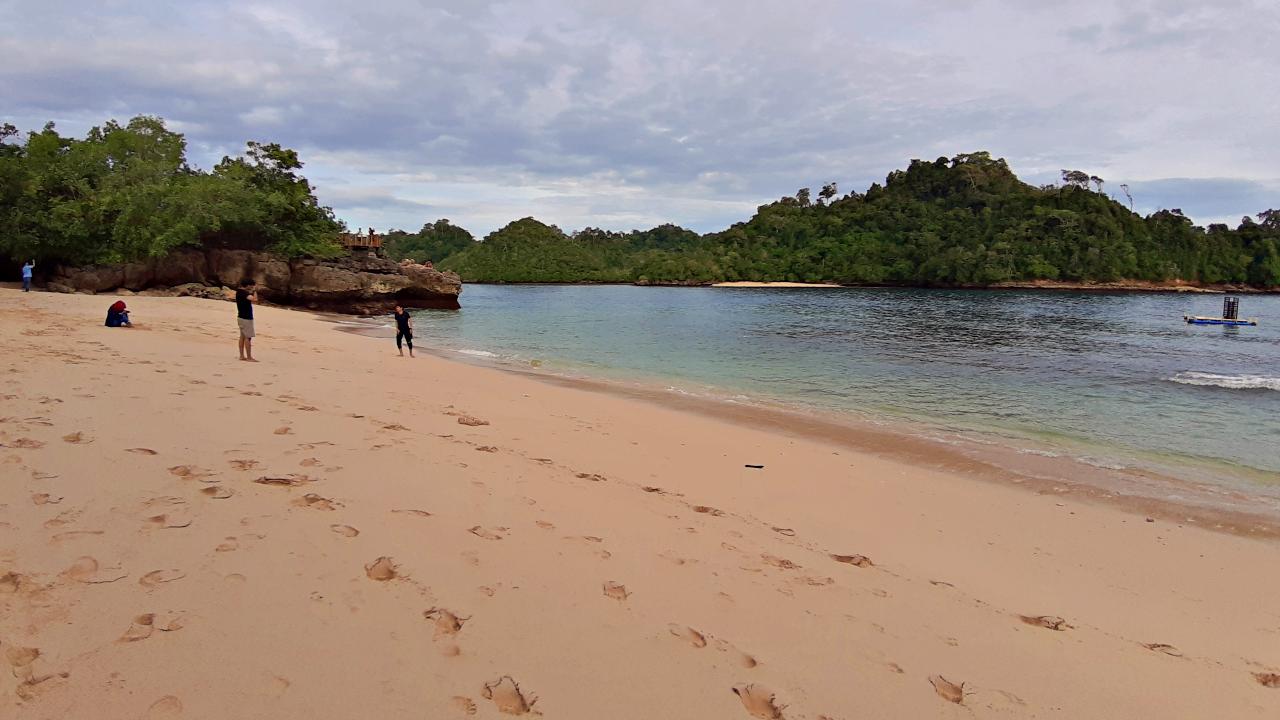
(1114, 379)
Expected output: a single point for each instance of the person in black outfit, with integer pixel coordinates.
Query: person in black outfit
(245, 297)
(404, 330)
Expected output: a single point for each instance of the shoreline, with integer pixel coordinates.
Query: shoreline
(178, 528)
(1137, 490)
(1119, 287)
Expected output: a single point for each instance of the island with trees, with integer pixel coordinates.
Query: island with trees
(965, 221)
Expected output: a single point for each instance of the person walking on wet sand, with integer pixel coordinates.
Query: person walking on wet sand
(245, 298)
(404, 329)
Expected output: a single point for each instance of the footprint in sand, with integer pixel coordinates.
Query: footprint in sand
(382, 569)
(316, 502)
(615, 591)
(759, 701)
(283, 430)
(706, 510)
(471, 421)
(861, 561)
(740, 658)
(66, 517)
(1050, 622)
(776, 561)
(45, 499)
(544, 524)
(87, 570)
(508, 697)
(168, 706)
(310, 462)
(493, 534)
(688, 634)
(344, 530)
(1271, 680)
(9, 583)
(593, 477)
(487, 448)
(159, 577)
(74, 534)
(290, 480)
(217, 492)
(947, 690)
(142, 451)
(179, 519)
(77, 438)
(651, 489)
(229, 544)
(1163, 648)
(140, 629)
(243, 464)
(26, 444)
(447, 624)
(463, 705)
(415, 513)
(188, 471)
(784, 531)
(21, 660)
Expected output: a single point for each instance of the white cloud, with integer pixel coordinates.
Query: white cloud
(603, 112)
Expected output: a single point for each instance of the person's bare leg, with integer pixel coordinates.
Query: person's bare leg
(241, 347)
(248, 350)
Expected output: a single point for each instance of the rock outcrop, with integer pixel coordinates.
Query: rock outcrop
(356, 284)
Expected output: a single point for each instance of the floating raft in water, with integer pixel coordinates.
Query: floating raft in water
(1198, 320)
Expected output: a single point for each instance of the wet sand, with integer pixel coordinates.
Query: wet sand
(339, 532)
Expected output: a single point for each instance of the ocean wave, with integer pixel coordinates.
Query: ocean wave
(1235, 382)
(477, 353)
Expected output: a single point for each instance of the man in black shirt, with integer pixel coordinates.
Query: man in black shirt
(245, 297)
(404, 329)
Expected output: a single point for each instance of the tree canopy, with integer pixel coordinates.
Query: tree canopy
(435, 241)
(961, 221)
(126, 192)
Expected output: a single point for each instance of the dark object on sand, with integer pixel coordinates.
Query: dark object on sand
(755, 467)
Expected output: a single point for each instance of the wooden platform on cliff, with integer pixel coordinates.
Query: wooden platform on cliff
(361, 241)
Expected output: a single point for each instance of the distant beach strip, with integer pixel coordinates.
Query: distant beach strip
(750, 284)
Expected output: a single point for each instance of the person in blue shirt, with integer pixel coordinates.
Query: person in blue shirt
(26, 275)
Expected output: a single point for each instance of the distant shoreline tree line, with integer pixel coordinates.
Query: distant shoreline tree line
(127, 192)
(953, 222)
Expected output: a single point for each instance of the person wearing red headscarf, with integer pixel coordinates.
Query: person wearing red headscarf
(117, 315)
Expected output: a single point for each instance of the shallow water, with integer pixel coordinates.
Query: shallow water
(1115, 380)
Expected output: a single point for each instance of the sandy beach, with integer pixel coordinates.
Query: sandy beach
(338, 532)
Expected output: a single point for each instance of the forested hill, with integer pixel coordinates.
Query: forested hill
(959, 221)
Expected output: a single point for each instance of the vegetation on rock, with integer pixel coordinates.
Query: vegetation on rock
(126, 192)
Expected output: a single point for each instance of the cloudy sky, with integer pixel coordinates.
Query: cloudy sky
(629, 114)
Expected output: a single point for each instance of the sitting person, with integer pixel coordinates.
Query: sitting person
(117, 315)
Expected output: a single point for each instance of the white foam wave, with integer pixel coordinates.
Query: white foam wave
(1235, 382)
(477, 353)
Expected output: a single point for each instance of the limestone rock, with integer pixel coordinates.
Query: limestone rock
(354, 284)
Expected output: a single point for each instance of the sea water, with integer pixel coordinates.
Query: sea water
(1113, 380)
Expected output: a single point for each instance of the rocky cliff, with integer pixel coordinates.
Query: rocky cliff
(351, 285)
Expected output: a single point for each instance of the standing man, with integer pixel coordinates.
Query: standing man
(26, 275)
(404, 329)
(245, 297)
